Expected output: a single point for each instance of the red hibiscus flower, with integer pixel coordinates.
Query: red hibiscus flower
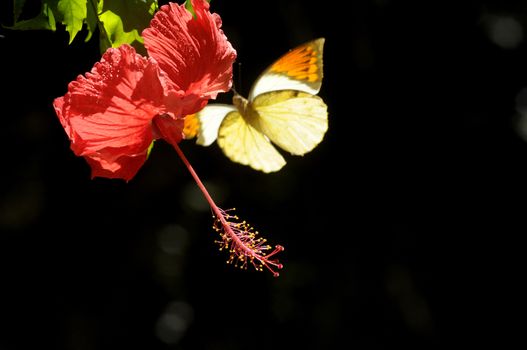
(194, 53)
(113, 113)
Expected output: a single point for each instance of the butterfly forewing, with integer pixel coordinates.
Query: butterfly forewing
(300, 69)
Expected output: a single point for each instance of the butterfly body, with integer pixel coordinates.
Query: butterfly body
(246, 110)
(244, 107)
(282, 109)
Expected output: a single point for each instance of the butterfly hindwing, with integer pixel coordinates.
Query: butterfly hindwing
(210, 119)
(244, 144)
(300, 69)
(295, 121)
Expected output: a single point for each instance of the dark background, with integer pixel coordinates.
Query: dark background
(401, 228)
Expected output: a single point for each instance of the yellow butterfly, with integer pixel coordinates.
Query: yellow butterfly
(282, 109)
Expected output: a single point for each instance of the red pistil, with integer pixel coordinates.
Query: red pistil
(243, 242)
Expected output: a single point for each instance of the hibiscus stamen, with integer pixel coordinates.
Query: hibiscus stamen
(244, 244)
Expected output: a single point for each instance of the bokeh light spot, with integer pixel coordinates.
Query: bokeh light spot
(506, 32)
(174, 322)
(173, 239)
(193, 198)
(521, 108)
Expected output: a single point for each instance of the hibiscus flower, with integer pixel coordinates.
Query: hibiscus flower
(113, 113)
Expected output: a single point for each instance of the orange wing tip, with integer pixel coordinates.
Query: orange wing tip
(302, 63)
(190, 126)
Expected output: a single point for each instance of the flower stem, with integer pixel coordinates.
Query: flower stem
(206, 194)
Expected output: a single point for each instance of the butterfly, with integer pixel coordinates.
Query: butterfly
(282, 109)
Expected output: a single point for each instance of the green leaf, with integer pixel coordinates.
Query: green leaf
(188, 6)
(123, 21)
(150, 148)
(135, 14)
(74, 12)
(45, 20)
(91, 19)
(119, 21)
(18, 5)
(113, 26)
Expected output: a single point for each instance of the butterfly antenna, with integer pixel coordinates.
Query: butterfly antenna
(239, 79)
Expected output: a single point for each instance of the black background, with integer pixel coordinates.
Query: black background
(401, 228)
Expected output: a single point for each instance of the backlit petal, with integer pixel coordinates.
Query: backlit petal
(107, 114)
(193, 52)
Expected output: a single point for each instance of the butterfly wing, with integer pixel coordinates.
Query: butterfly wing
(295, 121)
(300, 69)
(244, 144)
(210, 119)
(284, 111)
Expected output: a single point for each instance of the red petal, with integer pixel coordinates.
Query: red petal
(121, 168)
(107, 114)
(194, 53)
